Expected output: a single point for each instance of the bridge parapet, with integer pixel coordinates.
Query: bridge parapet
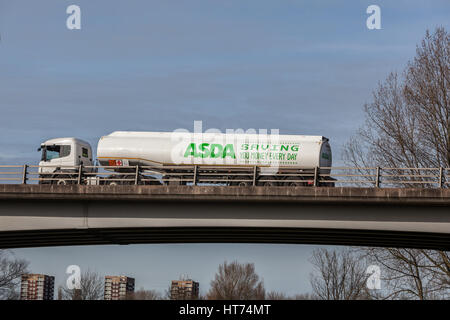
(416, 196)
(250, 175)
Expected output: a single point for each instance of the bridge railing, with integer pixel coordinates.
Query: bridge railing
(222, 175)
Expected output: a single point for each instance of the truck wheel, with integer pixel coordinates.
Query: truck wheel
(110, 182)
(289, 183)
(263, 181)
(129, 181)
(61, 180)
(242, 183)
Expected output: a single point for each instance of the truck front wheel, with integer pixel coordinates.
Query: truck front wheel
(62, 180)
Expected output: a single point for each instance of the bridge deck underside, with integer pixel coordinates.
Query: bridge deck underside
(37, 215)
(124, 236)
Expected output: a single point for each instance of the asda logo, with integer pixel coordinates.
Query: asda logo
(206, 150)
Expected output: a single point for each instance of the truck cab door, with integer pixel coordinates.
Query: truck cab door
(54, 157)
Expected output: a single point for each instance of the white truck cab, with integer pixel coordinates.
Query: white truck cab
(63, 154)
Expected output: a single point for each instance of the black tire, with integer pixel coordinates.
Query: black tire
(264, 181)
(242, 183)
(289, 183)
(62, 180)
(120, 182)
(110, 180)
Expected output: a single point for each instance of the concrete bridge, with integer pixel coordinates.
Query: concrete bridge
(51, 215)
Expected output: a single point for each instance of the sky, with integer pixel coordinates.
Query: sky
(303, 67)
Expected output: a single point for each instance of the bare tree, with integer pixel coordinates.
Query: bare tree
(305, 296)
(236, 281)
(275, 295)
(439, 263)
(408, 125)
(427, 93)
(92, 286)
(338, 275)
(167, 293)
(142, 294)
(11, 270)
(408, 121)
(411, 273)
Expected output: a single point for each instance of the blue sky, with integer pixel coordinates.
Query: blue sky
(304, 67)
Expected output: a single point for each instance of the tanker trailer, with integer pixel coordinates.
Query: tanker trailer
(167, 152)
(151, 157)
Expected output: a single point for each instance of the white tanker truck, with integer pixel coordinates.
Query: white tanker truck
(162, 157)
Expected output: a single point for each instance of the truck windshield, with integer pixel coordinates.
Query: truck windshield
(54, 152)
